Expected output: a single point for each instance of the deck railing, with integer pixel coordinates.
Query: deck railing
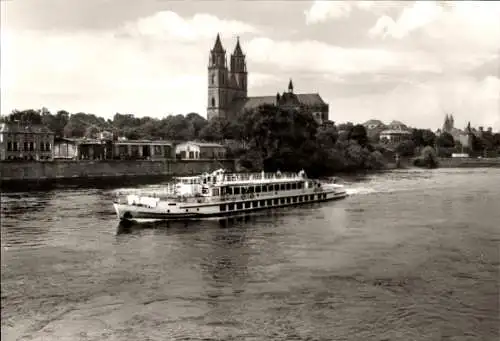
(235, 177)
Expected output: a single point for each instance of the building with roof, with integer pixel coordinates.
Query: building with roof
(459, 135)
(396, 132)
(193, 150)
(373, 124)
(25, 142)
(101, 149)
(228, 89)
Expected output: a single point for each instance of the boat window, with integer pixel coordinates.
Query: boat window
(282, 200)
(215, 192)
(269, 202)
(257, 189)
(172, 204)
(270, 188)
(247, 204)
(276, 187)
(255, 204)
(236, 190)
(276, 201)
(243, 190)
(251, 189)
(223, 207)
(300, 185)
(239, 206)
(288, 200)
(282, 187)
(288, 186)
(230, 207)
(294, 186)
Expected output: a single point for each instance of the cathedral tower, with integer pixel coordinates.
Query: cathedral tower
(218, 81)
(239, 72)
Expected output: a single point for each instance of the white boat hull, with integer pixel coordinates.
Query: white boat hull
(217, 209)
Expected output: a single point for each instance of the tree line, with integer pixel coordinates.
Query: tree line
(268, 137)
(79, 125)
(486, 143)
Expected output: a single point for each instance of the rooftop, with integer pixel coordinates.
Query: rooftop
(203, 144)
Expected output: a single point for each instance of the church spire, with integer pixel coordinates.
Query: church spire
(290, 86)
(237, 50)
(218, 45)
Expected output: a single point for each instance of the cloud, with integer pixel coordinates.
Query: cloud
(158, 64)
(413, 17)
(321, 10)
(474, 24)
(130, 69)
(317, 57)
(168, 24)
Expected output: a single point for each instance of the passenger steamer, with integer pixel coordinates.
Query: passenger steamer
(224, 194)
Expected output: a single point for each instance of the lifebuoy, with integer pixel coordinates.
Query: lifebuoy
(251, 195)
(243, 196)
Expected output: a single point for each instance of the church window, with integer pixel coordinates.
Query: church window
(213, 102)
(213, 79)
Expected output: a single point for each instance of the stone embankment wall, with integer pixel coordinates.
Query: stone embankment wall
(450, 163)
(50, 170)
(468, 162)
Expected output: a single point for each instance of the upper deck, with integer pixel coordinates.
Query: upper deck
(260, 178)
(221, 179)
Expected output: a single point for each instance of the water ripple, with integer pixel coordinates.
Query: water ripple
(410, 255)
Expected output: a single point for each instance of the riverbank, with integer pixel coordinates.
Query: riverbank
(406, 163)
(14, 173)
(469, 162)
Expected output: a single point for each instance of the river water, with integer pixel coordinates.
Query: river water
(410, 255)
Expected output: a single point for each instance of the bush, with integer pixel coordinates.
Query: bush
(427, 159)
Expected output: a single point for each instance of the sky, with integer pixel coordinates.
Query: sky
(412, 61)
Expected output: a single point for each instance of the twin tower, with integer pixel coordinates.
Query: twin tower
(225, 86)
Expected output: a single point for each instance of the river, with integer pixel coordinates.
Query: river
(410, 255)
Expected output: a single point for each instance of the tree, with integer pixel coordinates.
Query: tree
(496, 141)
(406, 148)
(26, 117)
(423, 137)
(358, 133)
(445, 140)
(197, 122)
(345, 126)
(327, 136)
(214, 130)
(477, 145)
(427, 159)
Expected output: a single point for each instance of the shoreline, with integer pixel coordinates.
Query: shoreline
(468, 163)
(101, 182)
(407, 163)
(104, 180)
(99, 174)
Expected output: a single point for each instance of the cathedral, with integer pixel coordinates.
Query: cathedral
(228, 89)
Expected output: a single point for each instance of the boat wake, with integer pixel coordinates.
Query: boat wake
(360, 190)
